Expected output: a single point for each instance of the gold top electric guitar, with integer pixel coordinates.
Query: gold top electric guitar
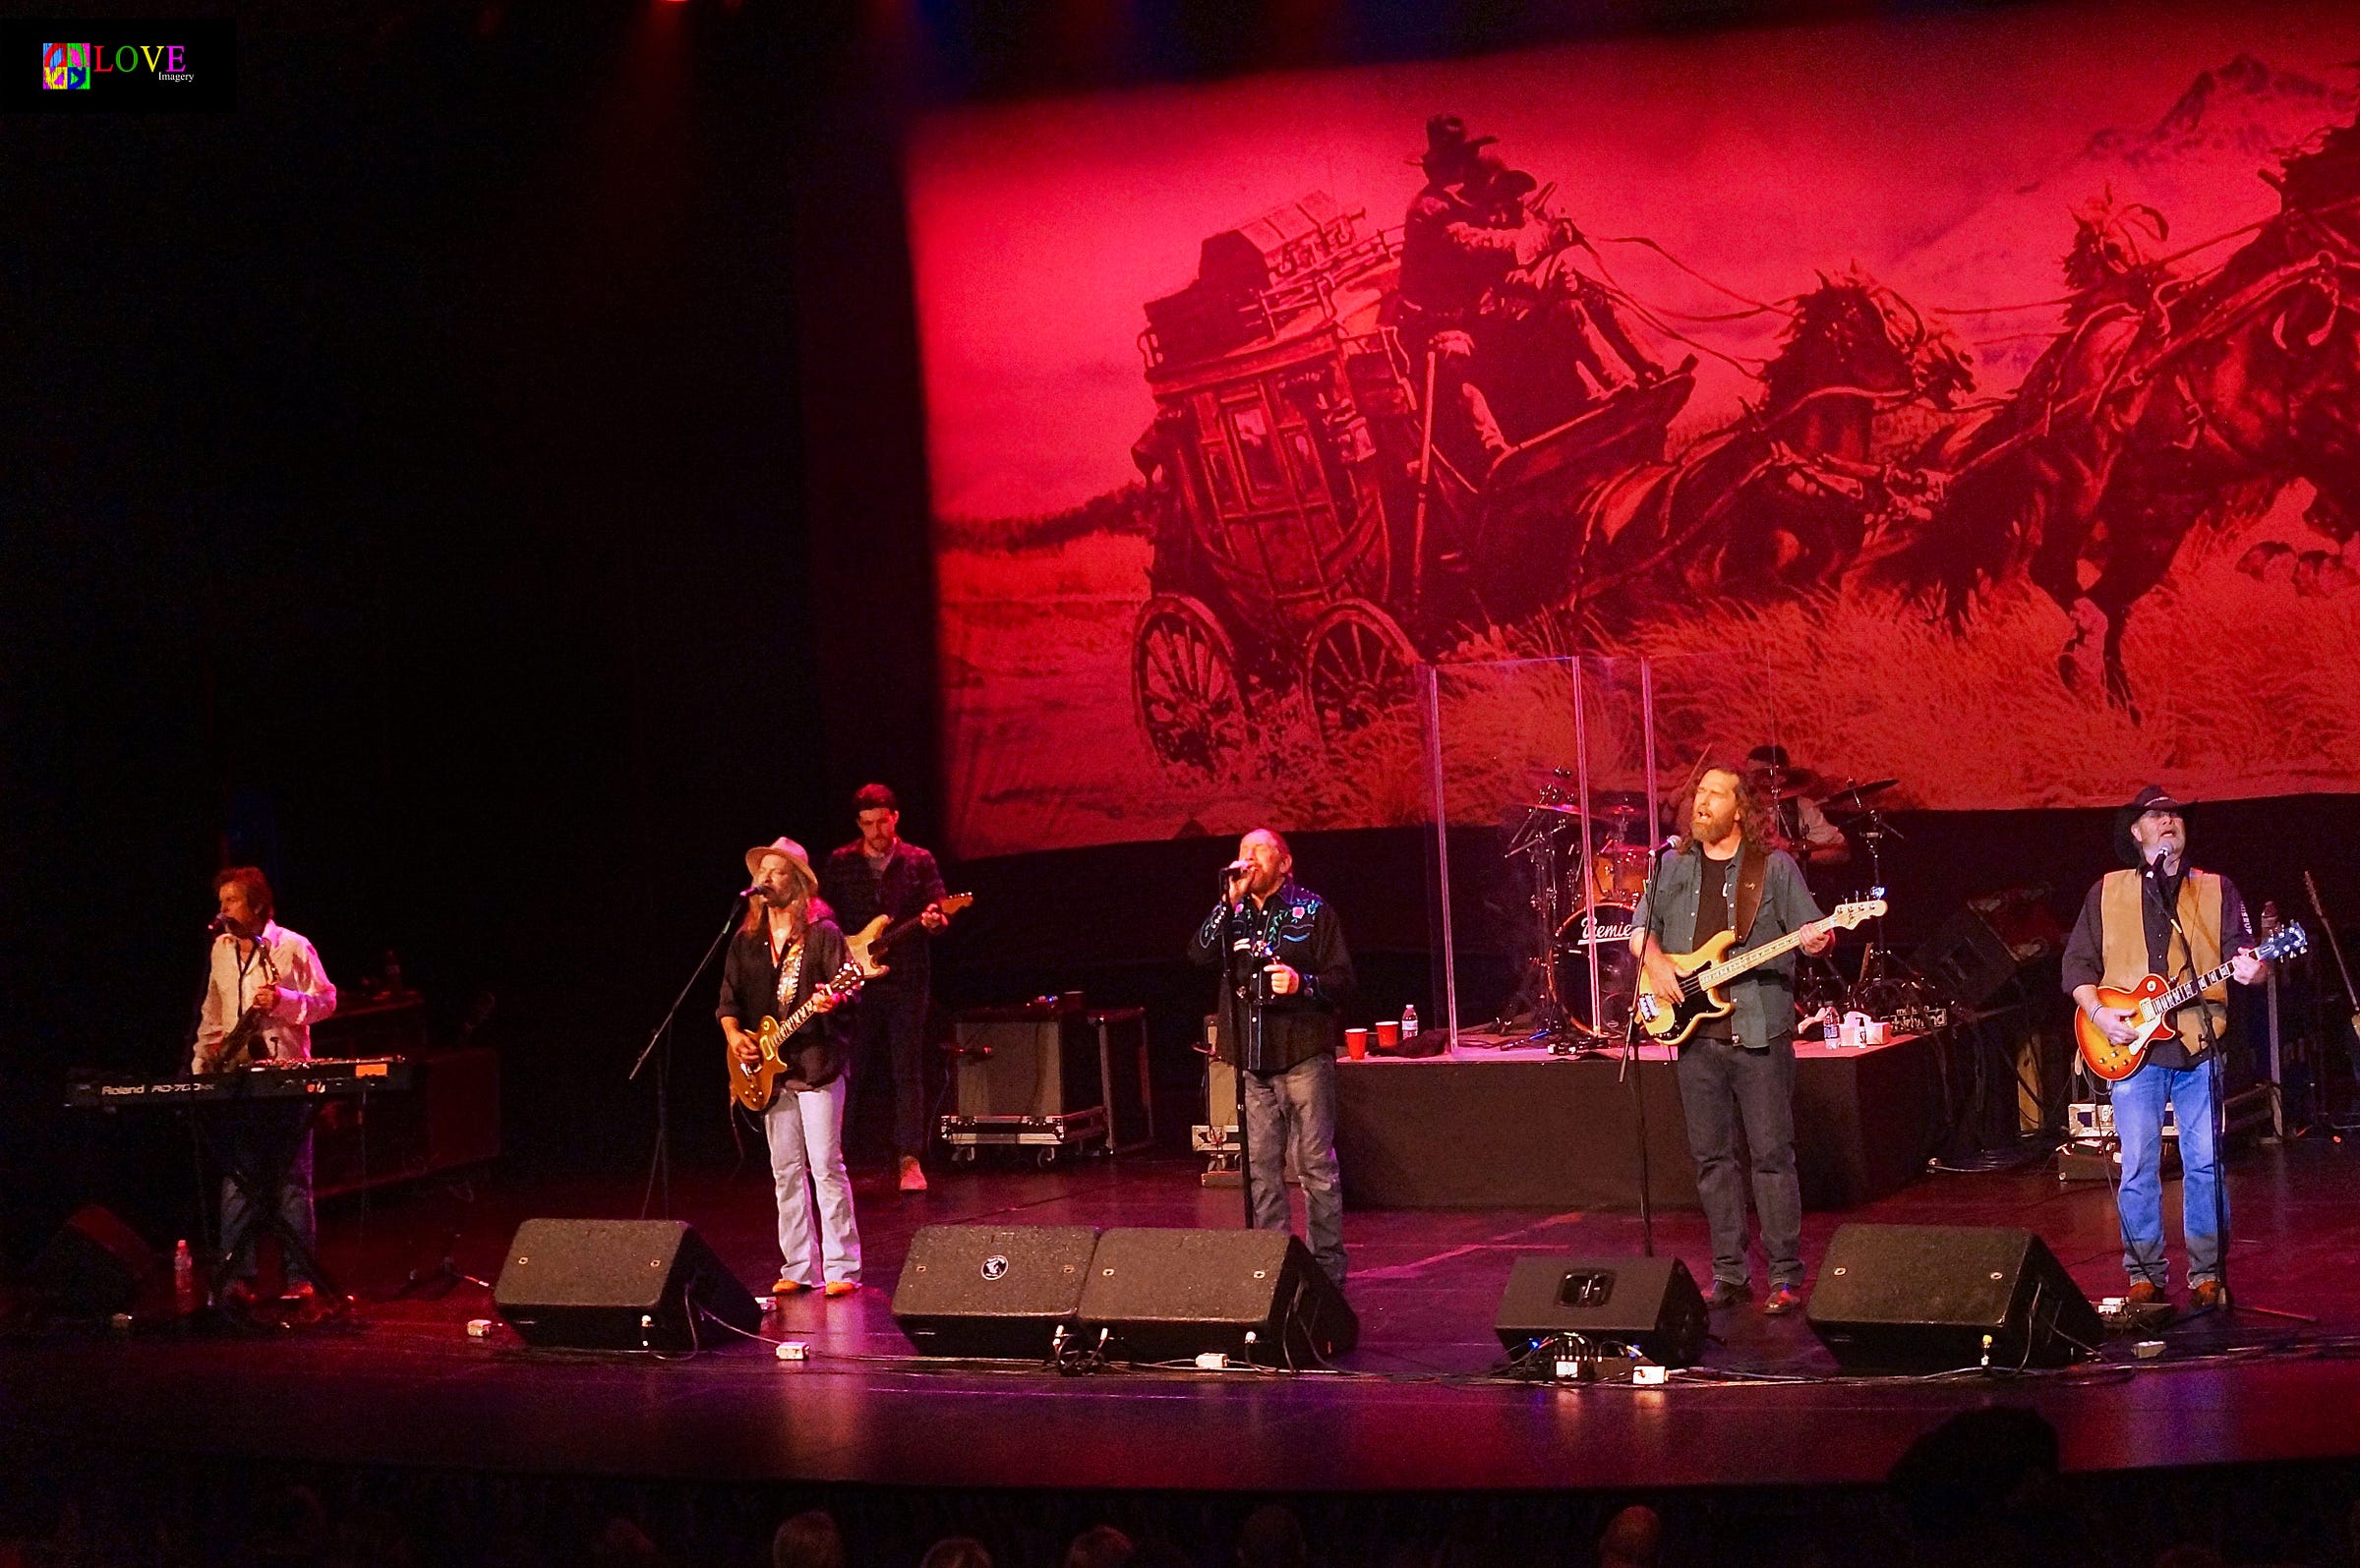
(753, 1085)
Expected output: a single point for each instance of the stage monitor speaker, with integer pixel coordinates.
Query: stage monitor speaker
(619, 1285)
(1161, 1295)
(992, 1290)
(95, 1266)
(1649, 1304)
(1932, 1297)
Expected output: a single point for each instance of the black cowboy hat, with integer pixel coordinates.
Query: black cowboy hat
(1447, 143)
(2150, 797)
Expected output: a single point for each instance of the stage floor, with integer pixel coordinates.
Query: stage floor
(404, 1385)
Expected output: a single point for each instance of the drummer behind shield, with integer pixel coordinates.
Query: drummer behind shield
(1798, 820)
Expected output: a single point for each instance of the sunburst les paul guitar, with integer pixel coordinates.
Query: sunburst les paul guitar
(2152, 1003)
(867, 944)
(1704, 971)
(753, 1085)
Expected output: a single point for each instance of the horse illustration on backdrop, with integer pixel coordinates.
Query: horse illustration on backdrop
(1778, 500)
(2165, 403)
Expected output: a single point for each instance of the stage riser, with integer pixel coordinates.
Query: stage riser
(1527, 1133)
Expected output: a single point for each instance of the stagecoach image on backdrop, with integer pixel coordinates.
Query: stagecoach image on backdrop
(1319, 527)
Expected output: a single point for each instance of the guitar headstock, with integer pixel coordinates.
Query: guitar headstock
(848, 980)
(2287, 942)
(951, 904)
(1858, 913)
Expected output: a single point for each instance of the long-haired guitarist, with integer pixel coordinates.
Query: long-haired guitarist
(2161, 916)
(779, 959)
(1739, 1067)
(265, 989)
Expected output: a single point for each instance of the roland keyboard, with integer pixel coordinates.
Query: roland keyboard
(326, 1077)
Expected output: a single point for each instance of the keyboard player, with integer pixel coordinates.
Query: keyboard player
(263, 991)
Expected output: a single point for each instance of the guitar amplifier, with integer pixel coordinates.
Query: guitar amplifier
(1028, 1062)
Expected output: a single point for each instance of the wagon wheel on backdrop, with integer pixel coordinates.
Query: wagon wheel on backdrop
(1356, 666)
(1184, 683)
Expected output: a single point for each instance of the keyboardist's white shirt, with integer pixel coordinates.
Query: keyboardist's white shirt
(281, 959)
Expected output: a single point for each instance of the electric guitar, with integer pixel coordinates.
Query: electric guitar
(2152, 1001)
(753, 1084)
(875, 937)
(242, 1044)
(1703, 972)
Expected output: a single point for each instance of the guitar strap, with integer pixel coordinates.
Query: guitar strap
(791, 973)
(1753, 868)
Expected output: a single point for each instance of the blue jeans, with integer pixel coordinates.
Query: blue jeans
(1298, 1103)
(1724, 1086)
(2139, 1102)
(269, 1133)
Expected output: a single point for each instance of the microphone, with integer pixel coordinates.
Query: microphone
(1237, 868)
(217, 925)
(754, 892)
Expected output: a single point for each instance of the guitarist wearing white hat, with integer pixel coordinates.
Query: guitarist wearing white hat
(780, 961)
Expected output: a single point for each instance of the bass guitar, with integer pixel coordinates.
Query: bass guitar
(875, 937)
(1704, 971)
(753, 1085)
(2152, 1003)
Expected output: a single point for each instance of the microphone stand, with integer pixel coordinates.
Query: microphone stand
(2218, 1071)
(1630, 1056)
(1248, 1049)
(660, 1163)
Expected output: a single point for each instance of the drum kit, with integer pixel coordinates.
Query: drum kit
(1583, 911)
(1584, 906)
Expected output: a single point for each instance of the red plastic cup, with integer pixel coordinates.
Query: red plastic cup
(1388, 1034)
(1356, 1043)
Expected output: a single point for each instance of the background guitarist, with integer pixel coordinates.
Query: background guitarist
(2127, 930)
(269, 979)
(880, 873)
(1738, 1068)
(778, 956)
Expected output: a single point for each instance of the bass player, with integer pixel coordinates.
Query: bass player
(1738, 1067)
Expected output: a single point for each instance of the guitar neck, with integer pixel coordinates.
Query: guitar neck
(1733, 967)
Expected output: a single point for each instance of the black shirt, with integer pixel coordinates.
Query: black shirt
(1297, 927)
(1713, 917)
(750, 993)
(859, 891)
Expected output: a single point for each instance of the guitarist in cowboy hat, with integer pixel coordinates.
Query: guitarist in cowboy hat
(2159, 916)
(781, 954)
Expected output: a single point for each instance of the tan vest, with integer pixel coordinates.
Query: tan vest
(2124, 929)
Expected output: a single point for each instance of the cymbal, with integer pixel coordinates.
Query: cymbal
(1609, 803)
(1847, 790)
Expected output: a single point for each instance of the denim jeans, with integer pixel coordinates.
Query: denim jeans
(889, 1038)
(265, 1135)
(2139, 1102)
(1723, 1085)
(1298, 1106)
(805, 1129)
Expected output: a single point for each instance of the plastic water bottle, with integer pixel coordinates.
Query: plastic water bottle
(1831, 1029)
(1410, 1022)
(184, 1279)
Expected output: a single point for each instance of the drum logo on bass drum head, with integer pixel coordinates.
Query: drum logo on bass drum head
(995, 1267)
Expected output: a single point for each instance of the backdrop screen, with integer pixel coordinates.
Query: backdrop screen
(1983, 391)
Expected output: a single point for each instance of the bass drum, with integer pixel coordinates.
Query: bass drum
(1605, 945)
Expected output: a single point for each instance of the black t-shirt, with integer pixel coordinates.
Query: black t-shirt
(1711, 918)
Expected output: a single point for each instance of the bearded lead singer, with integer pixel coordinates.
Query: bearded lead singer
(1281, 953)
